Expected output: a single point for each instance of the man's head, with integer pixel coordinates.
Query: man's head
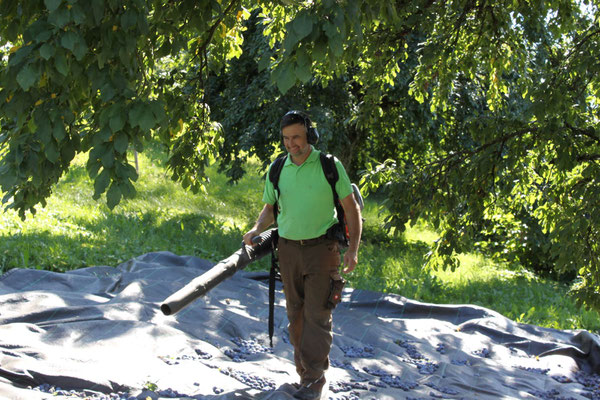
(298, 117)
(297, 134)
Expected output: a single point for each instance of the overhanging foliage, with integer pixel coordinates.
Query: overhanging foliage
(481, 116)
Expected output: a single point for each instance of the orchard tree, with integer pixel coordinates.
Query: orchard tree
(489, 109)
(101, 76)
(248, 105)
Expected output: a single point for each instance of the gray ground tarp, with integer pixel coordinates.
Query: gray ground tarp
(99, 331)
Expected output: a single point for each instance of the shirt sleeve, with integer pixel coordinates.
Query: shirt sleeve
(269, 196)
(343, 186)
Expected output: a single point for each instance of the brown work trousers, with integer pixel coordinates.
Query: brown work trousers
(306, 272)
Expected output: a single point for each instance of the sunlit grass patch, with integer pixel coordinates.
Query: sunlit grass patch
(74, 231)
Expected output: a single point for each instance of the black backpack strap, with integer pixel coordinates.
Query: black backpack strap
(331, 174)
(274, 173)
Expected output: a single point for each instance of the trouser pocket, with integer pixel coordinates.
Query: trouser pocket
(335, 294)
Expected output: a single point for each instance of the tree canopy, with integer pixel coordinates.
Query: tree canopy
(480, 116)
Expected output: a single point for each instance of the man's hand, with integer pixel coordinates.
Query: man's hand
(350, 261)
(265, 219)
(249, 235)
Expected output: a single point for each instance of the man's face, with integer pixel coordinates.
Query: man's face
(294, 140)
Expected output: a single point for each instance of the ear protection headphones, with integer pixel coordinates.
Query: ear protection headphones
(293, 117)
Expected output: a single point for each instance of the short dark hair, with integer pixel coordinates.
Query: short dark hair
(295, 117)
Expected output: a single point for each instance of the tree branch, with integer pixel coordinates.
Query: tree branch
(213, 28)
(588, 157)
(469, 153)
(459, 22)
(583, 132)
(582, 42)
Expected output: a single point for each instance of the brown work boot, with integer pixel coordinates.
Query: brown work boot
(310, 390)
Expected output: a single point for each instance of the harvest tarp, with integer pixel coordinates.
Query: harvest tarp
(98, 332)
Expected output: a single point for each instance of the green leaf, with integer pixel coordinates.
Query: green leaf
(141, 115)
(134, 115)
(80, 50)
(290, 41)
(107, 92)
(47, 51)
(31, 125)
(336, 46)
(69, 39)
(127, 57)
(117, 121)
(113, 196)
(44, 131)
(67, 151)
(128, 190)
(286, 78)
(39, 31)
(108, 158)
(302, 26)
(131, 172)
(8, 177)
(302, 58)
(59, 17)
(78, 14)
(264, 61)
(320, 51)
(121, 170)
(97, 10)
(102, 57)
(93, 167)
(27, 77)
(128, 19)
(51, 152)
(60, 62)
(18, 155)
(158, 109)
(102, 136)
(147, 120)
(19, 56)
(59, 132)
(121, 143)
(101, 183)
(138, 145)
(52, 5)
(303, 73)
(164, 49)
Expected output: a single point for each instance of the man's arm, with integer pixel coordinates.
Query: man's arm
(354, 222)
(265, 220)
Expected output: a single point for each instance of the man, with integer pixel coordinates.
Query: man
(308, 259)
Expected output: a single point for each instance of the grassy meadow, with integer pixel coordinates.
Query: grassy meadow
(75, 231)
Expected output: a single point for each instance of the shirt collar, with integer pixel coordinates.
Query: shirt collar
(312, 157)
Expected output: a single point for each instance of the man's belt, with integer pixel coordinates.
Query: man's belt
(306, 242)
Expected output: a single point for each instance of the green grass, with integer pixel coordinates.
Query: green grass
(396, 265)
(74, 231)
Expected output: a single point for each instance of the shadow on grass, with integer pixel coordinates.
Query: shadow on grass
(388, 263)
(521, 300)
(394, 265)
(115, 238)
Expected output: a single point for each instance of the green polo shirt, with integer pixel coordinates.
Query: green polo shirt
(306, 208)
